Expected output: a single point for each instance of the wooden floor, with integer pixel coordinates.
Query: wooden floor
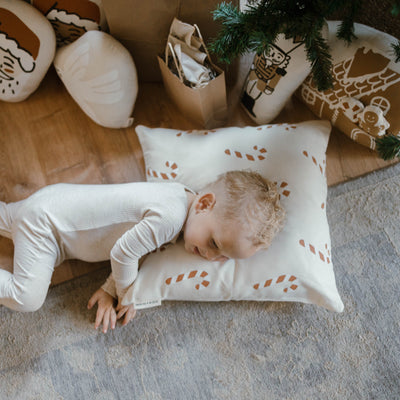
(48, 139)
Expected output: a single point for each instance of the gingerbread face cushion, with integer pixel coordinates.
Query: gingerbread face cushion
(27, 48)
(364, 100)
(298, 264)
(100, 75)
(72, 18)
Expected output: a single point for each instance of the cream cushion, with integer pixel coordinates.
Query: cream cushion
(364, 100)
(100, 75)
(298, 264)
(27, 47)
(71, 19)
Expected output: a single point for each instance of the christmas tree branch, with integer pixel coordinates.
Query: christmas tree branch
(396, 51)
(320, 59)
(257, 27)
(388, 147)
(232, 38)
(346, 27)
(396, 8)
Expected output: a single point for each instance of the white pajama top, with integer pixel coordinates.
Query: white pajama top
(120, 222)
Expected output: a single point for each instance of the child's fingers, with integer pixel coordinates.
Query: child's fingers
(106, 320)
(119, 306)
(129, 316)
(113, 318)
(99, 317)
(92, 301)
(122, 311)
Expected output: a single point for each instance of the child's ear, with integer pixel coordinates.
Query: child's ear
(205, 202)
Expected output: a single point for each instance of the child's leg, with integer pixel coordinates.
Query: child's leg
(7, 213)
(34, 261)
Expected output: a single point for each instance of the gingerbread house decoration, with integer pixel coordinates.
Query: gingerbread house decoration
(364, 100)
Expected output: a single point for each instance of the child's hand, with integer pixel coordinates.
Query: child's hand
(105, 309)
(128, 311)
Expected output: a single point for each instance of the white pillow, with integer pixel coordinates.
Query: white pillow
(273, 78)
(100, 74)
(27, 47)
(298, 264)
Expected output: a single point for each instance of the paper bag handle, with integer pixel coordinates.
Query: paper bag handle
(168, 49)
(205, 49)
(202, 41)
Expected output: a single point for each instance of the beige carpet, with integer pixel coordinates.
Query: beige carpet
(242, 350)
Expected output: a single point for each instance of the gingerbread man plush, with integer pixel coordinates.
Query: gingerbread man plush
(372, 121)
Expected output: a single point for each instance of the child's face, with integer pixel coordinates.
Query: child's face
(206, 235)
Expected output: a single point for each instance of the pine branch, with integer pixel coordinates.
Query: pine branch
(346, 28)
(396, 51)
(320, 59)
(257, 28)
(395, 8)
(233, 37)
(388, 147)
(243, 32)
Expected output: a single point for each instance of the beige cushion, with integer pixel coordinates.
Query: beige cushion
(273, 78)
(297, 266)
(71, 19)
(27, 47)
(100, 75)
(365, 100)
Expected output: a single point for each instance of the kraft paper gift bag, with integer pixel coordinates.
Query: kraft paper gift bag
(143, 28)
(192, 81)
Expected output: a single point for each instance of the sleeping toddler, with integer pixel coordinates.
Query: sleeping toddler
(233, 217)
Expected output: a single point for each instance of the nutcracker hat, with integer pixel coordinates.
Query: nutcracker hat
(17, 39)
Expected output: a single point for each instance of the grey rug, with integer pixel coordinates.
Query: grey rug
(237, 350)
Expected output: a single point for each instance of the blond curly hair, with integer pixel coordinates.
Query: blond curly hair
(252, 201)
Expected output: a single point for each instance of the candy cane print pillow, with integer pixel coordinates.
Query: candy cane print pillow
(298, 264)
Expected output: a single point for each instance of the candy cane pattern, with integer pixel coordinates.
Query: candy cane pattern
(164, 175)
(288, 127)
(321, 167)
(285, 279)
(205, 133)
(190, 275)
(250, 157)
(281, 187)
(325, 257)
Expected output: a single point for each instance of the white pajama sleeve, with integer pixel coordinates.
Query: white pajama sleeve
(147, 235)
(109, 286)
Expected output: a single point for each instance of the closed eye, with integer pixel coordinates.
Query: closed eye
(213, 244)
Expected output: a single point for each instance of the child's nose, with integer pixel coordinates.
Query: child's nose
(213, 255)
(210, 255)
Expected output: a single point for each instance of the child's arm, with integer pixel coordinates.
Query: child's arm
(105, 309)
(147, 235)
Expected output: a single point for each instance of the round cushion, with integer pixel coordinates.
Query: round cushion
(72, 18)
(100, 75)
(27, 48)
